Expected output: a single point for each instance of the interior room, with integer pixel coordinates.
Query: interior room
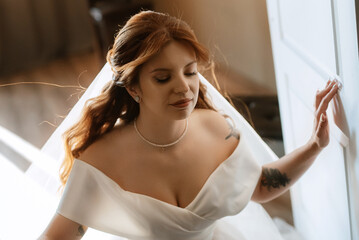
(51, 51)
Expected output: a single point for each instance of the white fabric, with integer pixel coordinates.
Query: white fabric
(95, 200)
(25, 208)
(250, 223)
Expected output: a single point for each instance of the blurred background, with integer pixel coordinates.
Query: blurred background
(65, 43)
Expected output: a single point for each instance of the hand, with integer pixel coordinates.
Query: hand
(320, 135)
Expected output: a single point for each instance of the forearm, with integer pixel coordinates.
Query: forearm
(278, 176)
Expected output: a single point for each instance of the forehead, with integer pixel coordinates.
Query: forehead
(173, 54)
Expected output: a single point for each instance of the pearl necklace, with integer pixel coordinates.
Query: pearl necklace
(163, 146)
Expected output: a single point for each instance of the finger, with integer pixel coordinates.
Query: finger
(329, 82)
(323, 106)
(322, 124)
(322, 93)
(323, 117)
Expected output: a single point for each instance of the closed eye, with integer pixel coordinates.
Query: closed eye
(166, 79)
(162, 79)
(191, 74)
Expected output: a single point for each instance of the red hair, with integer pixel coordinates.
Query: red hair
(143, 36)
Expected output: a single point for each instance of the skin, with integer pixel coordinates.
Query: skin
(163, 81)
(148, 170)
(63, 228)
(277, 177)
(178, 173)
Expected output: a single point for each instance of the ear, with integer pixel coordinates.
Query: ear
(134, 91)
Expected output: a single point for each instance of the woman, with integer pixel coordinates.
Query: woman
(173, 166)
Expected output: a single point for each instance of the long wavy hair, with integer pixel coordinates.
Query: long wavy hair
(143, 36)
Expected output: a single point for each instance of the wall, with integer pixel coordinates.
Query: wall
(236, 31)
(34, 32)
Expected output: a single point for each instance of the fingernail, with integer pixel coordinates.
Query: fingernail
(340, 86)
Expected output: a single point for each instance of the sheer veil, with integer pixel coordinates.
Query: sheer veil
(253, 218)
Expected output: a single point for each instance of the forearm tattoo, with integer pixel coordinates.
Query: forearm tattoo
(80, 231)
(233, 133)
(273, 178)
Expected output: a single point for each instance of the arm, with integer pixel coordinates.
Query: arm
(63, 228)
(277, 177)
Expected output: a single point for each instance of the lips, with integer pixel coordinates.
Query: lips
(182, 103)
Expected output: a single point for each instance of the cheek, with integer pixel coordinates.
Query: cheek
(195, 88)
(160, 94)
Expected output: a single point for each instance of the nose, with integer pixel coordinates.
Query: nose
(181, 85)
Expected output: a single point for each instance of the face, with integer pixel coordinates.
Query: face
(169, 83)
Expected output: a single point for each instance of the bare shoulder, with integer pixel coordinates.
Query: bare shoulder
(216, 130)
(216, 123)
(106, 147)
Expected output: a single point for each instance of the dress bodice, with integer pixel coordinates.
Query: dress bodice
(93, 199)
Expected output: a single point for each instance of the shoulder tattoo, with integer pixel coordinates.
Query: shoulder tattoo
(233, 133)
(80, 231)
(273, 178)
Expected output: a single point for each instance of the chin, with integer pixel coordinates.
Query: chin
(183, 113)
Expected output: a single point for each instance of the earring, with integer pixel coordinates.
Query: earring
(137, 99)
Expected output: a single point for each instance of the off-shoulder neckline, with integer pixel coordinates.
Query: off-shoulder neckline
(204, 186)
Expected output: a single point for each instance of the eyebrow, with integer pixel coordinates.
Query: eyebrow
(167, 69)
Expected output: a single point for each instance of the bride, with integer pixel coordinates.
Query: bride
(152, 158)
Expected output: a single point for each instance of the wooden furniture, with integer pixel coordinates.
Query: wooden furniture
(263, 112)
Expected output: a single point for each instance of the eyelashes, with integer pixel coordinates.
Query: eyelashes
(162, 80)
(191, 74)
(167, 78)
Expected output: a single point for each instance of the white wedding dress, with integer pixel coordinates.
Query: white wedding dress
(95, 200)
(221, 210)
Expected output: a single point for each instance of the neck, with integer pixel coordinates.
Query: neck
(160, 130)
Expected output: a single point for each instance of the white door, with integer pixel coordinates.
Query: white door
(313, 41)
